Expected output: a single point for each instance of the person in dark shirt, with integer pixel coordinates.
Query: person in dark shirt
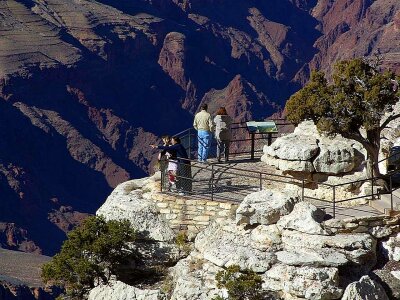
(184, 172)
(167, 167)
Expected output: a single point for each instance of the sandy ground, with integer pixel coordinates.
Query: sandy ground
(21, 268)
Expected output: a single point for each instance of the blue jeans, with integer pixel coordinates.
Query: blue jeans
(204, 138)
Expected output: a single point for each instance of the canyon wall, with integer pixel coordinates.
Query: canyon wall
(86, 86)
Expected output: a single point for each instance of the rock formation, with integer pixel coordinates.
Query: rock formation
(299, 252)
(364, 289)
(294, 260)
(120, 290)
(307, 151)
(128, 201)
(264, 207)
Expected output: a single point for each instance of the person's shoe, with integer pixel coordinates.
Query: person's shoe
(173, 187)
(181, 192)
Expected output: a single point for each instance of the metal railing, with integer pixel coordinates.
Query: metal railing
(222, 182)
(215, 181)
(242, 143)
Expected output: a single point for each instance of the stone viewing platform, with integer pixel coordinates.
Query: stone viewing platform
(307, 226)
(143, 198)
(329, 172)
(332, 178)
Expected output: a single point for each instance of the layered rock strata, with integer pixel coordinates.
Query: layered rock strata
(297, 252)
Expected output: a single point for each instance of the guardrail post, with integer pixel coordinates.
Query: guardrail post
(334, 202)
(162, 175)
(372, 188)
(391, 193)
(260, 181)
(212, 182)
(190, 144)
(269, 139)
(252, 146)
(302, 190)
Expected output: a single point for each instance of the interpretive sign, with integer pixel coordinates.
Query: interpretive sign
(261, 127)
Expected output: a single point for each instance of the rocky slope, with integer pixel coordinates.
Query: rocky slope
(85, 86)
(296, 249)
(20, 276)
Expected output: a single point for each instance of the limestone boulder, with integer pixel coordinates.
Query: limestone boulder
(265, 207)
(306, 150)
(189, 276)
(118, 290)
(336, 156)
(392, 247)
(289, 165)
(380, 232)
(227, 244)
(305, 217)
(359, 248)
(293, 147)
(364, 289)
(389, 276)
(310, 257)
(304, 282)
(266, 237)
(127, 201)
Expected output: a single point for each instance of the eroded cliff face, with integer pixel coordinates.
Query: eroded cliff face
(86, 86)
(357, 28)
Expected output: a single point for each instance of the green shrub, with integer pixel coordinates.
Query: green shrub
(181, 240)
(92, 252)
(245, 285)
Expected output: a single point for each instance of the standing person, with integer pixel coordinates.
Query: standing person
(223, 133)
(184, 172)
(163, 158)
(204, 126)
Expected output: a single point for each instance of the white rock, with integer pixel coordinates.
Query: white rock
(336, 156)
(380, 231)
(359, 248)
(304, 282)
(293, 147)
(289, 165)
(305, 217)
(265, 237)
(194, 279)
(226, 245)
(264, 207)
(306, 150)
(306, 128)
(310, 257)
(392, 247)
(365, 289)
(118, 290)
(127, 202)
(396, 274)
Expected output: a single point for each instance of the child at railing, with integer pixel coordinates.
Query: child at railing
(179, 170)
(172, 171)
(168, 166)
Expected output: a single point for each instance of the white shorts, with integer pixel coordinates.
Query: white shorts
(173, 165)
